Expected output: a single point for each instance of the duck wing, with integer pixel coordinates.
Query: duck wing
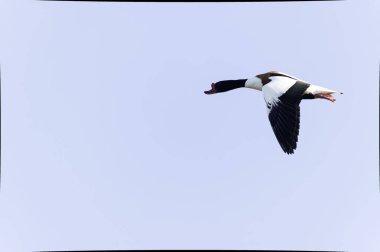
(283, 96)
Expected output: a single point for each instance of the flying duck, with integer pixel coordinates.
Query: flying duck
(282, 94)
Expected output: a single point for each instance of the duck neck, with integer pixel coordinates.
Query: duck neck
(227, 85)
(254, 83)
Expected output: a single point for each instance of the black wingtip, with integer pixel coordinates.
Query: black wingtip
(289, 152)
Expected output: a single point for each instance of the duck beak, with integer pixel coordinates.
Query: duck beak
(212, 90)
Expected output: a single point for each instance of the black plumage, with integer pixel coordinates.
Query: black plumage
(284, 116)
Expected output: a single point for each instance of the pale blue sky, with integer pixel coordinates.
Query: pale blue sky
(108, 141)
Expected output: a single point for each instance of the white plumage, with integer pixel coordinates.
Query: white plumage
(282, 94)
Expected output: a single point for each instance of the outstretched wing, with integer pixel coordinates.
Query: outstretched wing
(285, 121)
(283, 99)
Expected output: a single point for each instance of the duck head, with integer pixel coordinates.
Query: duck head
(226, 85)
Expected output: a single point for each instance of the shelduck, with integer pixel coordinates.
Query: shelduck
(282, 94)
